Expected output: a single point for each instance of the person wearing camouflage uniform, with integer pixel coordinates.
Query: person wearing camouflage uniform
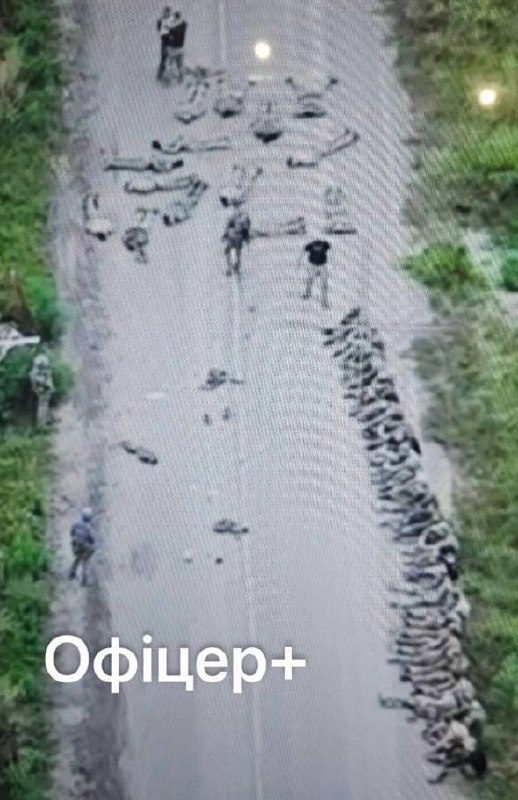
(42, 385)
(82, 539)
(236, 234)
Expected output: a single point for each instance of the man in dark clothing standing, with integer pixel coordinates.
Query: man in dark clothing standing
(172, 29)
(317, 268)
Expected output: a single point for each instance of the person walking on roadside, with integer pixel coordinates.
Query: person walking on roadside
(236, 234)
(82, 539)
(317, 268)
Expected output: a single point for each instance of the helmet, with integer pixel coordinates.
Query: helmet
(86, 514)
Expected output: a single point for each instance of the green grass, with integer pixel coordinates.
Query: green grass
(473, 367)
(29, 93)
(447, 267)
(24, 593)
(449, 50)
(509, 273)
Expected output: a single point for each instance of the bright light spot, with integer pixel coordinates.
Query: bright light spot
(262, 50)
(487, 97)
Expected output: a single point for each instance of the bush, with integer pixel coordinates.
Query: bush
(29, 94)
(509, 274)
(446, 267)
(483, 152)
(24, 601)
(15, 387)
(62, 376)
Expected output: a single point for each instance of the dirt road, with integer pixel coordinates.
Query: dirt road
(288, 463)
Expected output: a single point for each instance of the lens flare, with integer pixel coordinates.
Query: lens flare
(487, 97)
(262, 50)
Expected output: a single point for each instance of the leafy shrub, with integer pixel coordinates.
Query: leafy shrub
(62, 376)
(509, 274)
(29, 94)
(42, 305)
(23, 609)
(12, 88)
(447, 267)
(483, 151)
(15, 387)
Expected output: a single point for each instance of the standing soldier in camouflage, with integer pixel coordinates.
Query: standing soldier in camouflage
(42, 386)
(236, 234)
(82, 539)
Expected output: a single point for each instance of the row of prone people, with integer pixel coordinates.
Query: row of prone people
(428, 647)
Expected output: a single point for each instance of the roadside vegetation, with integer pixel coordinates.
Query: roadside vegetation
(449, 52)
(29, 94)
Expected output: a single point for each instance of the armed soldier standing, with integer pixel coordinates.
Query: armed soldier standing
(82, 539)
(236, 234)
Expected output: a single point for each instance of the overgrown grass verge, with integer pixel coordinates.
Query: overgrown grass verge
(29, 94)
(447, 267)
(24, 593)
(473, 370)
(450, 50)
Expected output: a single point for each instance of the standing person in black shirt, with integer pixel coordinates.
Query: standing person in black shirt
(317, 268)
